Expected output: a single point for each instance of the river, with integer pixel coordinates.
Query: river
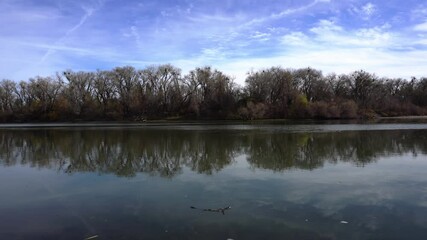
(281, 181)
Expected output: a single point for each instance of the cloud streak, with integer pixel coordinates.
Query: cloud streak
(233, 36)
(286, 12)
(88, 13)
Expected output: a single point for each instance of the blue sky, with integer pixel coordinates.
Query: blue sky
(41, 37)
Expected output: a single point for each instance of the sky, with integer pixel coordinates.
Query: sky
(41, 37)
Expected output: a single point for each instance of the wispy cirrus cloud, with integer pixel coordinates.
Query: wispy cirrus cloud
(41, 37)
(83, 19)
(285, 12)
(30, 42)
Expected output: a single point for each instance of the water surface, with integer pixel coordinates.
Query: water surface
(304, 181)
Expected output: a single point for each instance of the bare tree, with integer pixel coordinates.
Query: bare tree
(275, 87)
(362, 86)
(125, 80)
(41, 94)
(7, 96)
(307, 80)
(104, 91)
(79, 91)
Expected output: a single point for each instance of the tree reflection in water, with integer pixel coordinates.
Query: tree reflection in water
(165, 152)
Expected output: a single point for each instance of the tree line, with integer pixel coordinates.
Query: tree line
(163, 92)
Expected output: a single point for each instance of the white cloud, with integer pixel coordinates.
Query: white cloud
(75, 50)
(422, 27)
(373, 37)
(418, 12)
(284, 13)
(295, 39)
(326, 26)
(260, 36)
(232, 42)
(215, 18)
(332, 48)
(366, 11)
(423, 41)
(213, 53)
(369, 9)
(329, 32)
(133, 32)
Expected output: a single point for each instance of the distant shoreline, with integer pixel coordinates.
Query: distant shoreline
(404, 117)
(164, 122)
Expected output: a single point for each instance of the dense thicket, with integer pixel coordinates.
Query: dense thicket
(157, 92)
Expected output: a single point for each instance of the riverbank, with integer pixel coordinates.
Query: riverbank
(169, 122)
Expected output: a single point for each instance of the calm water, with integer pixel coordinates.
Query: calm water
(342, 181)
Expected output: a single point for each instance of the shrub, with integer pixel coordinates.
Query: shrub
(348, 109)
